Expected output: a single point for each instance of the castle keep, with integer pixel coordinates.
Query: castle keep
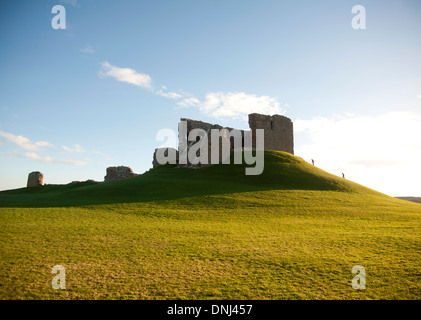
(278, 135)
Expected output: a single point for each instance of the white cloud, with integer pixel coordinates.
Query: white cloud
(238, 105)
(24, 142)
(381, 152)
(216, 104)
(28, 145)
(35, 156)
(188, 102)
(87, 49)
(169, 94)
(77, 148)
(126, 75)
(43, 144)
(419, 96)
(233, 104)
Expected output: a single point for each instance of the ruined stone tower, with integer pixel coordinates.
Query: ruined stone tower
(35, 179)
(278, 131)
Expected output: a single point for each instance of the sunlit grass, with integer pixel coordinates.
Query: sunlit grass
(271, 237)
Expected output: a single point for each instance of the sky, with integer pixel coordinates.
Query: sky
(74, 101)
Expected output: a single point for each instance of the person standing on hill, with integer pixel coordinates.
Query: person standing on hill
(312, 161)
(343, 176)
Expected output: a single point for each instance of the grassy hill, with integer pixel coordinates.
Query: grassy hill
(294, 232)
(282, 172)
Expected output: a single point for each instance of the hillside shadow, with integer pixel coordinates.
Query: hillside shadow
(282, 172)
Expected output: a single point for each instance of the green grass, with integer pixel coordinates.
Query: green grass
(294, 232)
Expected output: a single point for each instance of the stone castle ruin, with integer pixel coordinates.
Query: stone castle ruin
(278, 136)
(35, 179)
(118, 173)
(278, 131)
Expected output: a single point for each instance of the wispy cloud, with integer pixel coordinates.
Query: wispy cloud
(76, 148)
(24, 142)
(238, 105)
(189, 102)
(88, 49)
(35, 156)
(163, 92)
(216, 104)
(126, 75)
(380, 151)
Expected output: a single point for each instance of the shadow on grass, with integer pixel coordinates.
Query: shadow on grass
(282, 172)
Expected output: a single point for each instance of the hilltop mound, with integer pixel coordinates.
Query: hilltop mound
(282, 171)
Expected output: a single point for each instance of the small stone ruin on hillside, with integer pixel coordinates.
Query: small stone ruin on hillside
(118, 173)
(35, 179)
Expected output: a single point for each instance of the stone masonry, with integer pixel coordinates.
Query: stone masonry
(35, 179)
(165, 151)
(278, 131)
(118, 173)
(278, 134)
(194, 124)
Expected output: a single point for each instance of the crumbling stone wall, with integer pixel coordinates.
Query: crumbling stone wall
(35, 179)
(165, 151)
(207, 127)
(118, 173)
(278, 135)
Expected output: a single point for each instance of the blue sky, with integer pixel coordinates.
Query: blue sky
(75, 101)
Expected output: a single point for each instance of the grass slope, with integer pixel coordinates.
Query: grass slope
(282, 172)
(294, 232)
